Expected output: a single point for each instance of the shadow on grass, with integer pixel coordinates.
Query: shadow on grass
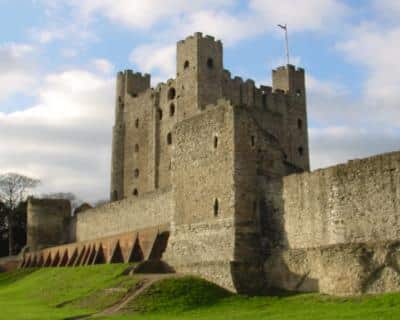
(281, 293)
(8, 278)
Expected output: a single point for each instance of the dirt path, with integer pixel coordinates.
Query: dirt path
(145, 282)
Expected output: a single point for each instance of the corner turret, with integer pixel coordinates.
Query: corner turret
(199, 73)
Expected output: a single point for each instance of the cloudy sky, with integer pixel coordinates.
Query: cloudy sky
(58, 60)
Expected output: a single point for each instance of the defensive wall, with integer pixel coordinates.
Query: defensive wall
(337, 229)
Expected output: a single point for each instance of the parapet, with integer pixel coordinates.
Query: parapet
(199, 36)
(132, 83)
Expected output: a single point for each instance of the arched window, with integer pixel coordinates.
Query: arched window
(210, 63)
(253, 141)
(160, 114)
(169, 138)
(171, 94)
(186, 64)
(114, 195)
(216, 208)
(137, 123)
(135, 192)
(215, 142)
(171, 110)
(136, 148)
(136, 173)
(301, 151)
(298, 93)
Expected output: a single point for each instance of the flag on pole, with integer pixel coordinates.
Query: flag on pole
(284, 27)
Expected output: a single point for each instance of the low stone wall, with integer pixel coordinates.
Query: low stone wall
(149, 210)
(205, 249)
(344, 270)
(336, 230)
(350, 203)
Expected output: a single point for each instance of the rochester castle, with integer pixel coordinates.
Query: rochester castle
(210, 175)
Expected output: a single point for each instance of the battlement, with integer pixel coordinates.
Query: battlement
(289, 79)
(199, 36)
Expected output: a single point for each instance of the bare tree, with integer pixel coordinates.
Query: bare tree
(14, 189)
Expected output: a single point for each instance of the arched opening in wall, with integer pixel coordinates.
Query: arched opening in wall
(210, 63)
(169, 138)
(159, 114)
(136, 173)
(186, 64)
(56, 260)
(299, 124)
(301, 151)
(171, 110)
(171, 94)
(136, 254)
(73, 258)
(40, 261)
(137, 123)
(81, 257)
(100, 257)
(64, 259)
(134, 95)
(117, 256)
(92, 256)
(215, 142)
(135, 192)
(253, 141)
(298, 93)
(47, 263)
(216, 208)
(136, 148)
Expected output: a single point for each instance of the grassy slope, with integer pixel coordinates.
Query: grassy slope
(38, 294)
(35, 294)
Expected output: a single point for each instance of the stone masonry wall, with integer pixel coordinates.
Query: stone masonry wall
(48, 222)
(202, 232)
(355, 202)
(149, 210)
(336, 230)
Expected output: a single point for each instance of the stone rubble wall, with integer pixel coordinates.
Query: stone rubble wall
(149, 210)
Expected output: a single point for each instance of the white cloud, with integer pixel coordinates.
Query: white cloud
(332, 145)
(155, 58)
(377, 49)
(143, 14)
(103, 65)
(17, 69)
(300, 15)
(65, 138)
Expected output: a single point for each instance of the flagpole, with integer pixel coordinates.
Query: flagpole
(284, 27)
(287, 45)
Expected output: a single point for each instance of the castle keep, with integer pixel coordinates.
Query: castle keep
(210, 174)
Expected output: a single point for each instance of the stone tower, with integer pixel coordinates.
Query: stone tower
(199, 74)
(295, 141)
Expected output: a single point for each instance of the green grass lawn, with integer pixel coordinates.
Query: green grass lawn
(65, 293)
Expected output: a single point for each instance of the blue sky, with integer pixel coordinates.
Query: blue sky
(58, 60)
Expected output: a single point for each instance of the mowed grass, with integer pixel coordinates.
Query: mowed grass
(65, 293)
(61, 293)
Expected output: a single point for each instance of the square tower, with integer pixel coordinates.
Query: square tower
(199, 73)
